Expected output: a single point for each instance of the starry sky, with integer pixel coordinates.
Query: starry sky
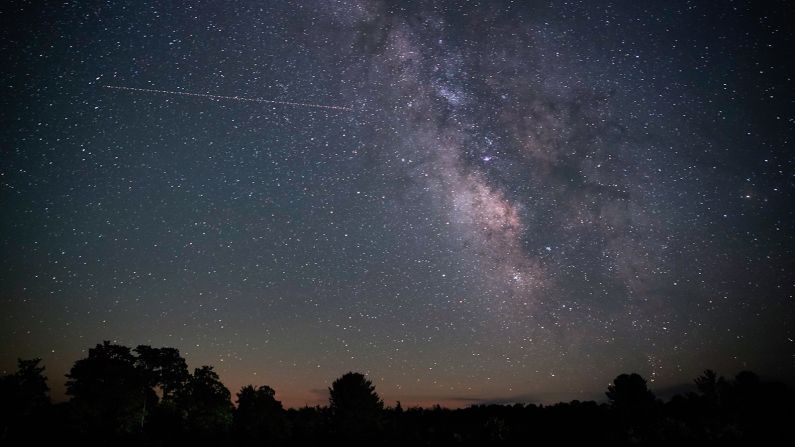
(505, 201)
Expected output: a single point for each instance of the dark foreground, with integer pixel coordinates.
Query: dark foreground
(146, 397)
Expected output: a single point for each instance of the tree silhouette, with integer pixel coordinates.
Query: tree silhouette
(24, 396)
(355, 406)
(707, 384)
(629, 393)
(206, 403)
(163, 368)
(353, 393)
(31, 390)
(114, 402)
(632, 401)
(259, 416)
(109, 394)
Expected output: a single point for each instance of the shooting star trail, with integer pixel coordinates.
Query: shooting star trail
(234, 98)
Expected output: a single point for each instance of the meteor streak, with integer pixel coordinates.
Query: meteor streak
(234, 98)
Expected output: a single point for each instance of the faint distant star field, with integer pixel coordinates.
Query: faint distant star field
(467, 201)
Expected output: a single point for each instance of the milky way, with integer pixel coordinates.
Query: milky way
(524, 199)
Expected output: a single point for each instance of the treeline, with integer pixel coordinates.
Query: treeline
(146, 396)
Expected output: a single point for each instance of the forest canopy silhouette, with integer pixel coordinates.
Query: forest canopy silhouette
(148, 396)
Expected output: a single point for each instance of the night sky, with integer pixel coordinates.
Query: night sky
(506, 201)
